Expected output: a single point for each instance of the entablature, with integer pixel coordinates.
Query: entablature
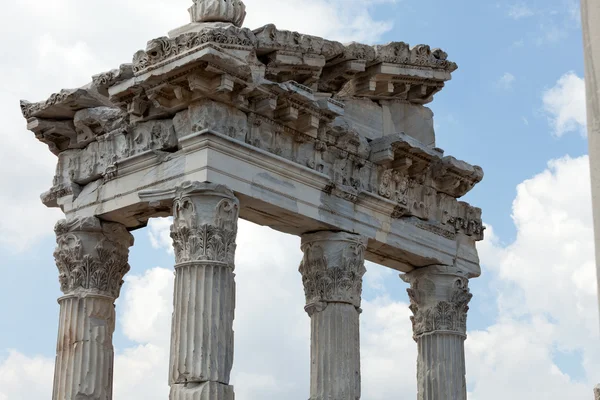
(351, 114)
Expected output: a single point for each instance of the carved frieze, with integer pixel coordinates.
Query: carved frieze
(439, 298)
(164, 48)
(107, 79)
(270, 39)
(91, 256)
(64, 104)
(333, 267)
(90, 123)
(289, 94)
(420, 55)
(205, 224)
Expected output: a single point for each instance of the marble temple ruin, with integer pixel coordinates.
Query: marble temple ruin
(328, 141)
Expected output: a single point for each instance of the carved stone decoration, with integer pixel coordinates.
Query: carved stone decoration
(333, 267)
(439, 298)
(107, 79)
(91, 256)
(198, 238)
(332, 271)
(233, 11)
(164, 48)
(394, 185)
(204, 230)
(91, 123)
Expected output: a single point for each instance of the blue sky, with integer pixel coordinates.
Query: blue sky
(499, 111)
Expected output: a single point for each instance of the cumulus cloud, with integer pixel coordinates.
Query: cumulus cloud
(564, 104)
(18, 372)
(546, 288)
(159, 234)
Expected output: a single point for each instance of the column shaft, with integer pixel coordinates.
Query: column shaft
(332, 271)
(335, 353)
(92, 259)
(84, 353)
(203, 323)
(441, 367)
(439, 297)
(204, 231)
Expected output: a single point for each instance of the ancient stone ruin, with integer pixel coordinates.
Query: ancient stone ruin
(328, 141)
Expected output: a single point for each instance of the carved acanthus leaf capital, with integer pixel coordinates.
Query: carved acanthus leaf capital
(333, 267)
(205, 223)
(91, 256)
(439, 298)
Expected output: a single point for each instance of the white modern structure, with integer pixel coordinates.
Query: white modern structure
(590, 17)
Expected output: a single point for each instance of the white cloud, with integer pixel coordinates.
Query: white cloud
(519, 11)
(25, 378)
(506, 81)
(160, 235)
(547, 293)
(565, 105)
(147, 305)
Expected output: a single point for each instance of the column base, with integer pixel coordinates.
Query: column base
(202, 391)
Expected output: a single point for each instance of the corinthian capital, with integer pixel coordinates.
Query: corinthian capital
(333, 267)
(205, 223)
(91, 256)
(439, 298)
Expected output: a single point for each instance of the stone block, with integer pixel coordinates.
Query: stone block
(364, 116)
(182, 124)
(413, 119)
(219, 117)
(202, 391)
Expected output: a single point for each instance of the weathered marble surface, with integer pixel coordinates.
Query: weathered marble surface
(91, 257)
(439, 298)
(350, 118)
(204, 231)
(332, 271)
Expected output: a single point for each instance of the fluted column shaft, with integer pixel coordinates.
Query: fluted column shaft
(332, 271)
(204, 231)
(439, 298)
(92, 259)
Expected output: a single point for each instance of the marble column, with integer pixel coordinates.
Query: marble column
(439, 298)
(91, 257)
(332, 271)
(204, 231)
